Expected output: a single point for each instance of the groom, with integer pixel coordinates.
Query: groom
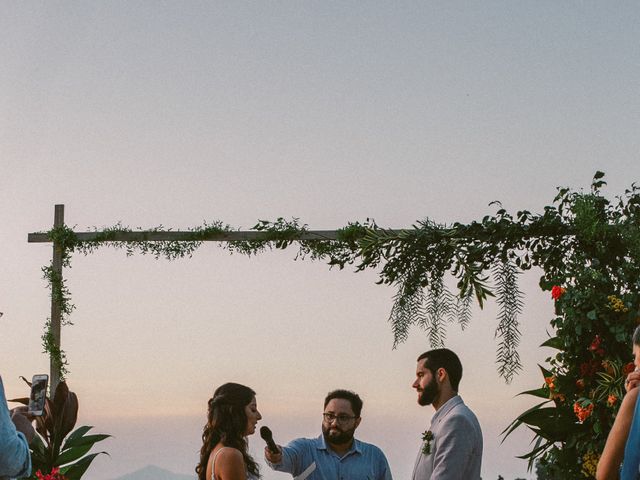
(452, 447)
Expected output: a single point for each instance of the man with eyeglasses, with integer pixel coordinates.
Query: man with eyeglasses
(452, 447)
(335, 454)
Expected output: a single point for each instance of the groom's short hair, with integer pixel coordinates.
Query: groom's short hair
(444, 358)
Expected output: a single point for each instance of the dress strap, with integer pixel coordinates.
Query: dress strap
(213, 463)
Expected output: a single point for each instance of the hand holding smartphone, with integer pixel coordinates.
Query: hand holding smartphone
(38, 394)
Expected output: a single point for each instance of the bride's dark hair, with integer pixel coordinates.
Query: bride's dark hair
(227, 423)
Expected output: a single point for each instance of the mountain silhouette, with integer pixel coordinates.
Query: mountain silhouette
(151, 472)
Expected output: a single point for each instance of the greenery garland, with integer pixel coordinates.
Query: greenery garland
(585, 244)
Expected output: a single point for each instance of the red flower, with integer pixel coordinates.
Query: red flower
(54, 475)
(595, 345)
(628, 368)
(557, 292)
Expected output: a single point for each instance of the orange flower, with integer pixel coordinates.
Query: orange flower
(612, 400)
(582, 412)
(550, 382)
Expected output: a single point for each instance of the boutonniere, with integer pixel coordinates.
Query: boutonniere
(427, 437)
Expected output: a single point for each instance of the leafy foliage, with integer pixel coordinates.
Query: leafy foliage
(509, 299)
(595, 282)
(57, 445)
(588, 248)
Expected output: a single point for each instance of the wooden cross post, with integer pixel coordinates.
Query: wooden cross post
(56, 313)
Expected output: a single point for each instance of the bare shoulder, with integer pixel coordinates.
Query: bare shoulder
(229, 454)
(228, 464)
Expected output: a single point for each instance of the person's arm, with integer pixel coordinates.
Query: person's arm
(383, 467)
(230, 465)
(22, 421)
(15, 458)
(454, 449)
(611, 458)
(288, 459)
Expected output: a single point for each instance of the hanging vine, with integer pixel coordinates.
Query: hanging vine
(415, 261)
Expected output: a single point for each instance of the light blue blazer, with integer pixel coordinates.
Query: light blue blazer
(456, 448)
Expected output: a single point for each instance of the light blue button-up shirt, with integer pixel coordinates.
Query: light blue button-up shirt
(15, 459)
(363, 461)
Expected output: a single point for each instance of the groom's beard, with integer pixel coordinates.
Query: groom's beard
(429, 393)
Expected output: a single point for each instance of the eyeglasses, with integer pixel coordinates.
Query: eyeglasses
(341, 419)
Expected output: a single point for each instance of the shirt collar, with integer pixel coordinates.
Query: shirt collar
(356, 446)
(446, 407)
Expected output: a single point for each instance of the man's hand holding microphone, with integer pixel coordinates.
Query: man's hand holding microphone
(272, 452)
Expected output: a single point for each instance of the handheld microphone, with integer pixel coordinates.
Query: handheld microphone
(267, 436)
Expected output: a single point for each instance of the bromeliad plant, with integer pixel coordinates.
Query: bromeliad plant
(59, 451)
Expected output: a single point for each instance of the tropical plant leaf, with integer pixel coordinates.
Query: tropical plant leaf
(538, 392)
(72, 454)
(76, 470)
(22, 400)
(86, 440)
(551, 423)
(69, 414)
(553, 342)
(519, 420)
(38, 451)
(79, 432)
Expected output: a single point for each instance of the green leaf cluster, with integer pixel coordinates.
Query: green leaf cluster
(57, 444)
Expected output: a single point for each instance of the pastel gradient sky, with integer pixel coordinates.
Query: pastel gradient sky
(175, 113)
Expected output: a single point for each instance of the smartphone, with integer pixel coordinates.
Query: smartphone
(38, 394)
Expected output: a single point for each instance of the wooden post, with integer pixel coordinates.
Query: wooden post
(56, 314)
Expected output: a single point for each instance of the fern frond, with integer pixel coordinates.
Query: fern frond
(408, 309)
(439, 307)
(509, 299)
(463, 308)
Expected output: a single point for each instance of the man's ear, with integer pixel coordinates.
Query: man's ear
(358, 420)
(441, 374)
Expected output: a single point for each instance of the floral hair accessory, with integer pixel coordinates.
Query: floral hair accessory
(427, 437)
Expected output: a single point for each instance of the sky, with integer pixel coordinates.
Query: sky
(178, 113)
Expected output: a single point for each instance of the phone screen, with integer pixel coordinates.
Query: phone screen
(38, 394)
